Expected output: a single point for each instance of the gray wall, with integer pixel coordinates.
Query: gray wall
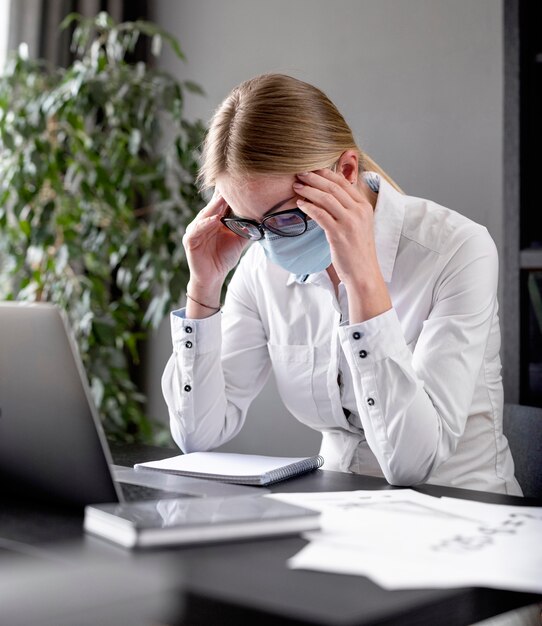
(420, 82)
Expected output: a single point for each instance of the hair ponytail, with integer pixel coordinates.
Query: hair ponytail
(369, 165)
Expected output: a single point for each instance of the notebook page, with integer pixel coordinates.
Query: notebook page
(222, 463)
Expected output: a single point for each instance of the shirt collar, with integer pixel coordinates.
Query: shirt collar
(388, 224)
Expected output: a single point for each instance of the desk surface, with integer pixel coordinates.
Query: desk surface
(249, 583)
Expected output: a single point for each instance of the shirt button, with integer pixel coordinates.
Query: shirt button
(188, 329)
(363, 353)
(370, 401)
(356, 335)
(187, 388)
(188, 344)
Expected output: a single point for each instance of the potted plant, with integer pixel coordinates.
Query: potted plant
(97, 183)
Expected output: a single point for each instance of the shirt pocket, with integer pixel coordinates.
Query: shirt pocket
(293, 367)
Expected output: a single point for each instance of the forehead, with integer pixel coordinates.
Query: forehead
(254, 196)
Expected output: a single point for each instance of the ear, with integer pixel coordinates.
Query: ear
(347, 165)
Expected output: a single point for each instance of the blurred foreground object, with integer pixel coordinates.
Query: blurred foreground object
(77, 586)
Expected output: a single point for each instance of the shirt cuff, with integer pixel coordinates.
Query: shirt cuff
(373, 340)
(200, 336)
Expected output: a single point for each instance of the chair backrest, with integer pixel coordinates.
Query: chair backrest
(522, 427)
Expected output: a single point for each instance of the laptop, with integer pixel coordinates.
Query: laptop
(52, 444)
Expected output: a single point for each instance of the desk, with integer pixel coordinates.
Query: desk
(248, 582)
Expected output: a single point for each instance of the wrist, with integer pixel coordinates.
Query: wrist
(202, 300)
(210, 307)
(208, 292)
(367, 299)
(363, 286)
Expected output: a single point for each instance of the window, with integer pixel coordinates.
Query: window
(4, 26)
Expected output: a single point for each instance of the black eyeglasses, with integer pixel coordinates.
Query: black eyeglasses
(289, 223)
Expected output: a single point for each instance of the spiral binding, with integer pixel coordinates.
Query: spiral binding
(294, 469)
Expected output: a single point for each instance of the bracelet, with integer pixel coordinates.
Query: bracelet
(214, 308)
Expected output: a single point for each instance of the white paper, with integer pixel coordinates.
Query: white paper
(402, 539)
(221, 463)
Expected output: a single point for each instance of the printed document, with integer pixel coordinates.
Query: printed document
(403, 539)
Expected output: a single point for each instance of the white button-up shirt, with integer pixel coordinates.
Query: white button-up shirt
(414, 394)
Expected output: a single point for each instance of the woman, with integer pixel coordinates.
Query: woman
(376, 311)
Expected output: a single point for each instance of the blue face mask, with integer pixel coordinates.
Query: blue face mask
(305, 254)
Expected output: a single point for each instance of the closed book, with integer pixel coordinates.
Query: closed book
(245, 469)
(186, 521)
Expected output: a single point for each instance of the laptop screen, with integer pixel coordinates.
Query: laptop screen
(51, 439)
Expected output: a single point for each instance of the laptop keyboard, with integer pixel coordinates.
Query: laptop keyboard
(133, 493)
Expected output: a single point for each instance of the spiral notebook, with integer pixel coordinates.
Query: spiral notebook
(244, 469)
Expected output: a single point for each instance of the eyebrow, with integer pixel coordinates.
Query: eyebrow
(277, 206)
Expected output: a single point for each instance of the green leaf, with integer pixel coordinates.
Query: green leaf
(103, 20)
(135, 141)
(156, 45)
(24, 225)
(69, 20)
(193, 87)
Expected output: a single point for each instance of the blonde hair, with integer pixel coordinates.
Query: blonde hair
(276, 124)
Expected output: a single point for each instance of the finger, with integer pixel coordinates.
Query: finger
(324, 199)
(216, 205)
(322, 217)
(202, 227)
(357, 197)
(333, 183)
(337, 177)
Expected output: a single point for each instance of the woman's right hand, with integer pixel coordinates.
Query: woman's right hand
(211, 249)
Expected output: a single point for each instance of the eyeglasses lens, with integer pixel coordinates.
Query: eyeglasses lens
(244, 229)
(286, 224)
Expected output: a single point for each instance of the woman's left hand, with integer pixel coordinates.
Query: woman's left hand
(345, 213)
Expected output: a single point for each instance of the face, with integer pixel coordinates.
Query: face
(262, 196)
(258, 196)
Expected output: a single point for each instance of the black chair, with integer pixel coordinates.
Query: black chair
(522, 427)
